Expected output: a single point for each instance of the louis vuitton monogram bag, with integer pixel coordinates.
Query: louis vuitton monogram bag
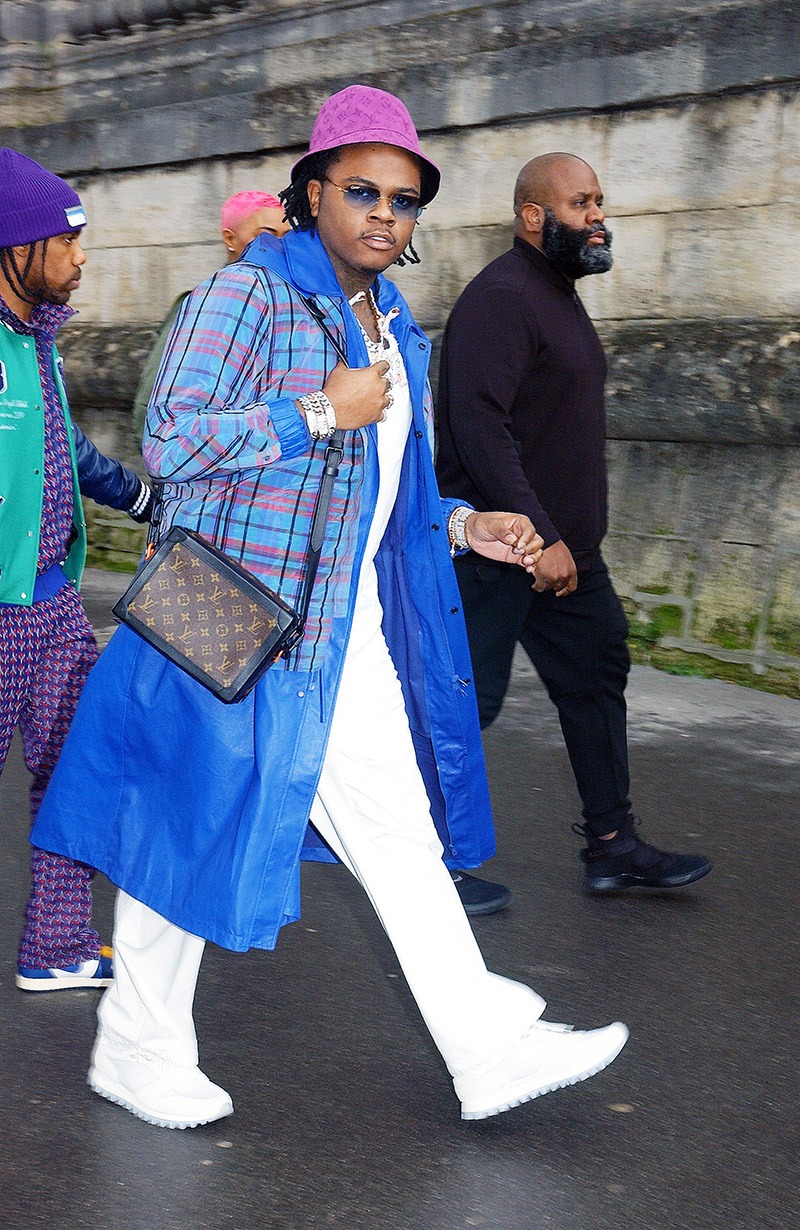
(208, 615)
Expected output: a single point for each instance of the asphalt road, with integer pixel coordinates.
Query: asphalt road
(344, 1113)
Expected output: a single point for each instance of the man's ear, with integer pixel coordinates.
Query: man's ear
(532, 217)
(229, 239)
(314, 193)
(22, 251)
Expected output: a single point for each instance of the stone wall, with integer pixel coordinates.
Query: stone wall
(691, 117)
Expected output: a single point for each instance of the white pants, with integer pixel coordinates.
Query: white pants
(372, 809)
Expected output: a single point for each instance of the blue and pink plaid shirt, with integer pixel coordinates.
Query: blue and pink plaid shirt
(225, 435)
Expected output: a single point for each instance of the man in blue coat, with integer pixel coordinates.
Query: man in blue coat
(369, 729)
(47, 647)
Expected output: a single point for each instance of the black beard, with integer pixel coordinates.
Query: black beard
(568, 248)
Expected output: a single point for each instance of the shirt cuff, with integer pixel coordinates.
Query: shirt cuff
(290, 427)
(449, 506)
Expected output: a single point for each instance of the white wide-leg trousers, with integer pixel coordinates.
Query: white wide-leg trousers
(372, 809)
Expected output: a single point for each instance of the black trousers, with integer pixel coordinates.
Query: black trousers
(578, 646)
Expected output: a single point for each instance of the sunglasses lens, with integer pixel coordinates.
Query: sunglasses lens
(406, 206)
(361, 197)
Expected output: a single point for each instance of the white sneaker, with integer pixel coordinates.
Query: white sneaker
(174, 1098)
(547, 1057)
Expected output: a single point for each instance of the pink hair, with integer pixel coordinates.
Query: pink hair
(243, 204)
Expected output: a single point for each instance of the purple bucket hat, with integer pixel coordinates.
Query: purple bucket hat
(360, 114)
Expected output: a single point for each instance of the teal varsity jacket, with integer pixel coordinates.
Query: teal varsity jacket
(22, 469)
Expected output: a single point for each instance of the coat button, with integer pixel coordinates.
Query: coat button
(301, 693)
(434, 526)
(418, 434)
(453, 610)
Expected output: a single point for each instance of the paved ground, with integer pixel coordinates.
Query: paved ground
(344, 1113)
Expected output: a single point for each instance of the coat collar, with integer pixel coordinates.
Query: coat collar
(301, 260)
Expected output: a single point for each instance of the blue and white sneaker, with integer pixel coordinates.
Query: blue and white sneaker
(96, 973)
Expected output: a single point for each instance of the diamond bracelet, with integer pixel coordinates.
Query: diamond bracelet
(320, 415)
(456, 529)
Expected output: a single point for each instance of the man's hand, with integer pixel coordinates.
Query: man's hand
(509, 537)
(556, 570)
(359, 395)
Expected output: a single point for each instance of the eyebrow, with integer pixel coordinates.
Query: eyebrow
(370, 183)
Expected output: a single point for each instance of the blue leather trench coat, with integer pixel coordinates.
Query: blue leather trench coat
(200, 809)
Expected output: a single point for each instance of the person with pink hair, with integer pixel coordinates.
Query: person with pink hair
(248, 214)
(245, 215)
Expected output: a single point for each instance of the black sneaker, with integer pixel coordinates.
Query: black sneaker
(480, 896)
(625, 861)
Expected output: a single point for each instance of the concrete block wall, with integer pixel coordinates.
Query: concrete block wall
(691, 118)
(705, 549)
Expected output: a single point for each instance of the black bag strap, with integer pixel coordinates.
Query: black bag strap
(316, 312)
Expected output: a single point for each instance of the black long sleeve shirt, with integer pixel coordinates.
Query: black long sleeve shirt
(520, 410)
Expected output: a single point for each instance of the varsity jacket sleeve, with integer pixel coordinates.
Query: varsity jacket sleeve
(106, 480)
(216, 407)
(488, 347)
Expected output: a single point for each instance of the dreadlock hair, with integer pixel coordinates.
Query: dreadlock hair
(295, 198)
(16, 278)
(409, 257)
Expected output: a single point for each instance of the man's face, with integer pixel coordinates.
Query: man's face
(56, 268)
(364, 237)
(574, 236)
(269, 219)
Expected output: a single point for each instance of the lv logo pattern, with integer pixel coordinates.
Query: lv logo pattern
(202, 616)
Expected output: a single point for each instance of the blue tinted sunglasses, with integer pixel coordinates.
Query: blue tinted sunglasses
(361, 196)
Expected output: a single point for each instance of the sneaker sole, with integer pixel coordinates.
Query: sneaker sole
(529, 1095)
(615, 884)
(67, 982)
(118, 1096)
(488, 907)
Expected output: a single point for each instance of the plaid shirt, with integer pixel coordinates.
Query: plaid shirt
(225, 435)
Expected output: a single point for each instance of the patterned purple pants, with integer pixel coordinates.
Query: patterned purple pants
(46, 652)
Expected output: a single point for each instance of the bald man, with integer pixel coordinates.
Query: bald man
(521, 423)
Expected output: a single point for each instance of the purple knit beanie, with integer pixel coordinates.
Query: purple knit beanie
(34, 203)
